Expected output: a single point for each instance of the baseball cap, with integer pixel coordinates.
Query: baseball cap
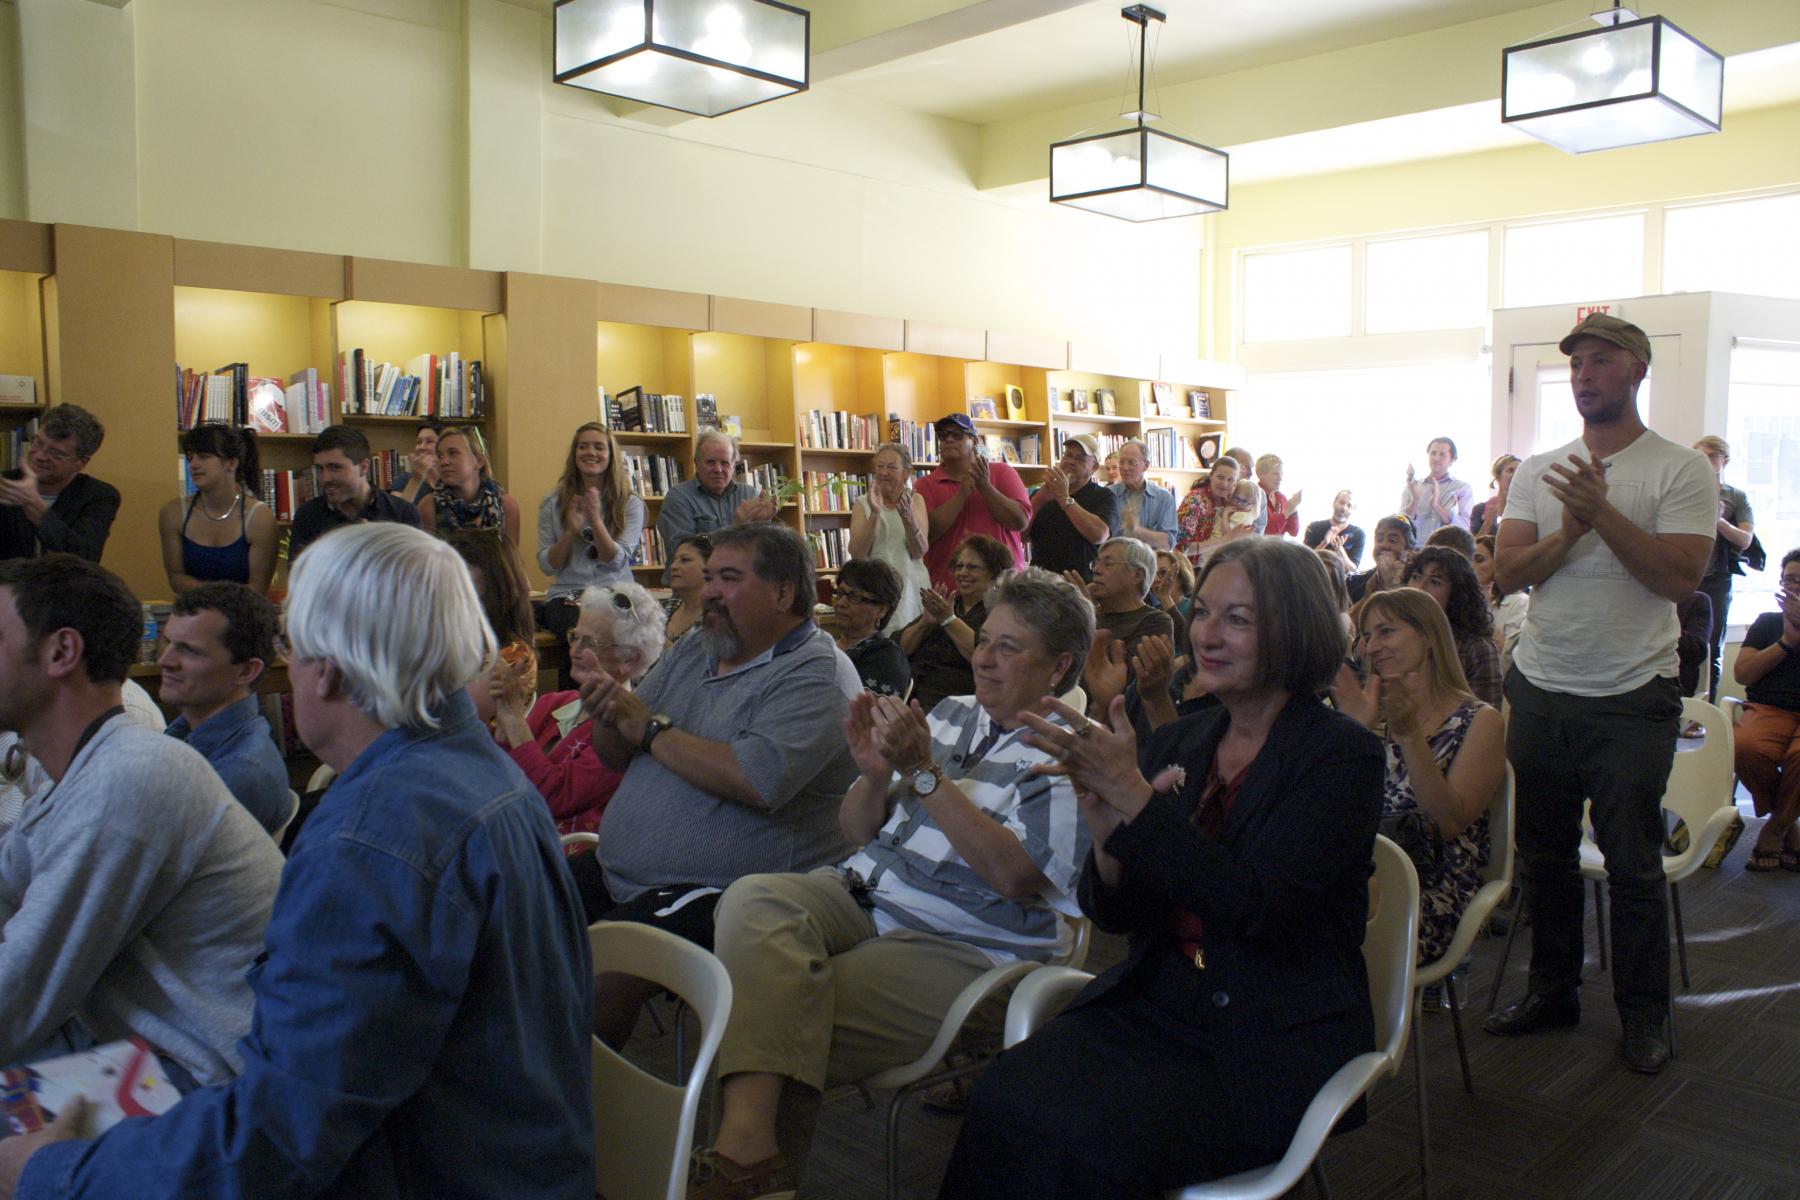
(1086, 442)
(957, 421)
(1622, 334)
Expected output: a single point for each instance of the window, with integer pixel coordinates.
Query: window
(1763, 426)
(1426, 283)
(1297, 294)
(1358, 430)
(1558, 422)
(1565, 262)
(1744, 246)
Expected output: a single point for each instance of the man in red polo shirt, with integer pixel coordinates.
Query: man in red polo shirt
(968, 494)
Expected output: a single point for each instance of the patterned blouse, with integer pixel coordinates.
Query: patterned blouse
(486, 511)
(1480, 660)
(1464, 855)
(1195, 520)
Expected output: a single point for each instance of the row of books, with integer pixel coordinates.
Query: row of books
(652, 474)
(285, 491)
(1108, 443)
(385, 466)
(765, 478)
(650, 551)
(833, 492)
(1196, 404)
(823, 429)
(1024, 450)
(15, 442)
(430, 385)
(919, 437)
(830, 547)
(636, 411)
(1170, 448)
(231, 395)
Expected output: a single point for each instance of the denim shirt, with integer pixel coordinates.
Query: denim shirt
(1156, 512)
(423, 1011)
(236, 742)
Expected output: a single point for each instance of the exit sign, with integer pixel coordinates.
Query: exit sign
(1584, 311)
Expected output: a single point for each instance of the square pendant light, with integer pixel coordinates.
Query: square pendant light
(1139, 174)
(705, 57)
(1623, 84)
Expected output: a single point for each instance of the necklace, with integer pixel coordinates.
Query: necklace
(223, 515)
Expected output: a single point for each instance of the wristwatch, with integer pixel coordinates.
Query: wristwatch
(655, 725)
(924, 780)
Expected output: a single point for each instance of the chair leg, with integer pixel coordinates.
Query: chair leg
(892, 1162)
(1680, 936)
(1518, 917)
(1462, 1049)
(1318, 1178)
(1600, 919)
(1418, 1058)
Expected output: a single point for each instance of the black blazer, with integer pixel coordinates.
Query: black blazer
(77, 523)
(1282, 893)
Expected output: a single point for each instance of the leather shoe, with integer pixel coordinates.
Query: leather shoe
(1534, 1014)
(1646, 1046)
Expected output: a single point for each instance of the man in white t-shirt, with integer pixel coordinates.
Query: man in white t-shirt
(1609, 531)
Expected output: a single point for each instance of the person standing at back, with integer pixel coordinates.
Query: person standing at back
(1609, 532)
(1071, 513)
(711, 500)
(1733, 534)
(967, 494)
(1437, 499)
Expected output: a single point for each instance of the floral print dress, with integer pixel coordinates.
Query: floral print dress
(1464, 855)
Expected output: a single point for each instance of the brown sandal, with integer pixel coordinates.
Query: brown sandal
(1764, 860)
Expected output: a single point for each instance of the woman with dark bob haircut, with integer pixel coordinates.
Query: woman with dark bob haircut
(1234, 850)
(1449, 578)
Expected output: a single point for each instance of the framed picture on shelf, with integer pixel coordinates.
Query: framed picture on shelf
(1162, 396)
(1059, 400)
(1207, 447)
(982, 408)
(1201, 404)
(1104, 400)
(1078, 400)
(1015, 402)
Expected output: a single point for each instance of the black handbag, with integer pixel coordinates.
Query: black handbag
(1416, 833)
(1754, 556)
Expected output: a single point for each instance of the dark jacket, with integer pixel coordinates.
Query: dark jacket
(76, 524)
(1282, 893)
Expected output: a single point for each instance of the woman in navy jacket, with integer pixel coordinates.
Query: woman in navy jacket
(1241, 875)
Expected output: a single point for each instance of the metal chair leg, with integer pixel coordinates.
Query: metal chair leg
(1462, 1050)
(1424, 1121)
(1518, 918)
(1680, 936)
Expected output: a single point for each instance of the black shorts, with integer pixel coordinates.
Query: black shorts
(662, 907)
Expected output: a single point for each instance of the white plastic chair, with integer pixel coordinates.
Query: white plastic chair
(580, 839)
(1389, 947)
(1497, 878)
(321, 778)
(644, 1126)
(293, 811)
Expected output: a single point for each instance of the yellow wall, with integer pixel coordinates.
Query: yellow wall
(12, 117)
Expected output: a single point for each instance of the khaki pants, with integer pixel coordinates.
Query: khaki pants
(820, 999)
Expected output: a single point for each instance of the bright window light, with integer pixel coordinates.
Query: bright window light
(1747, 246)
(1297, 294)
(1437, 282)
(1566, 262)
(1762, 423)
(1558, 423)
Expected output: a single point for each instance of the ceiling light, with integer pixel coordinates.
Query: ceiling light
(1631, 81)
(705, 57)
(1139, 173)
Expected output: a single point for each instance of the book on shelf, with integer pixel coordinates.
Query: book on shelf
(1105, 403)
(1031, 449)
(1001, 449)
(919, 437)
(1108, 443)
(308, 402)
(429, 385)
(732, 426)
(285, 491)
(765, 478)
(982, 408)
(1162, 401)
(832, 491)
(649, 552)
(706, 411)
(1200, 405)
(648, 412)
(830, 547)
(1169, 448)
(1078, 400)
(1015, 402)
(18, 389)
(827, 429)
(15, 442)
(651, 474)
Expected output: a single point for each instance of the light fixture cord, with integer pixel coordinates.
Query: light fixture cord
(1143, 41)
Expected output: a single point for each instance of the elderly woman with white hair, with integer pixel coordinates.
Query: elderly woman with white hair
(426, 934)
(619, 632)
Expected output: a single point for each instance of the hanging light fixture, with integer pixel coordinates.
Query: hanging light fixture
(1631, 81)
(705, 57)
(1139, 173)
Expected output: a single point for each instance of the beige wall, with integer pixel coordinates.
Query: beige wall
(12, 116)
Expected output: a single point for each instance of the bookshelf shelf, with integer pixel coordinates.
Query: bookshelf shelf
(1072, 418)
(747, 447)
(647, 438)
(835, 452)
(1197, 423)
(21, 409)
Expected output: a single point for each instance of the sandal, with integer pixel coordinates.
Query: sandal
(1766, 860)
(1790, 859)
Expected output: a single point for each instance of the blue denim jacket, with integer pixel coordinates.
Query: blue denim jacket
(236, 742)
(423, 1010)
(1157, 511)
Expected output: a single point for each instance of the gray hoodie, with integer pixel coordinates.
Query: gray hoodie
(133, 896)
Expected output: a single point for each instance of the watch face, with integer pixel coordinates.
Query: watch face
(924, 782)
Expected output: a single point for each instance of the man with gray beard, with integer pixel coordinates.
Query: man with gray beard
(733, 751)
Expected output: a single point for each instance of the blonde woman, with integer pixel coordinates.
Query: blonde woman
(1446, 751)
(589, 526)
(889, 525)
(466, 496)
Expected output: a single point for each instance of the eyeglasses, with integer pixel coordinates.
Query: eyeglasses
(44, 446)
(579, 642)
(852, 596)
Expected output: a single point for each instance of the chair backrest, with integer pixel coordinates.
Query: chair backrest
(643, 1126)
(1390, 947)
(1084, 941)
(580, 839)
(321, 778)
(1502, 820)
(293, 811)
(1702, 780)
(1076, 698)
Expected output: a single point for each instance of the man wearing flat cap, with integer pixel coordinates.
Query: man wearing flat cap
(1609, 532)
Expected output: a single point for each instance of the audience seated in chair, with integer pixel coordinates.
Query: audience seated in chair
(1393, 545)
(619, 633)
(134, 890)
(1448, 577)
(1235, 851)
(967, 860)
(421, 1022)
(938, 644)
(732, 749)
(1446, 752)
(1768, 735)
(219, 640)
(505, 594)
(867, 592)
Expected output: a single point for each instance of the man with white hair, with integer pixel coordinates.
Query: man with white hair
(1143, 510)
(1123, 573)
(421, 1007)
(710, 500)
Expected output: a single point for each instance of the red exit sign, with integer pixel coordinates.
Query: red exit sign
(1584, 311)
